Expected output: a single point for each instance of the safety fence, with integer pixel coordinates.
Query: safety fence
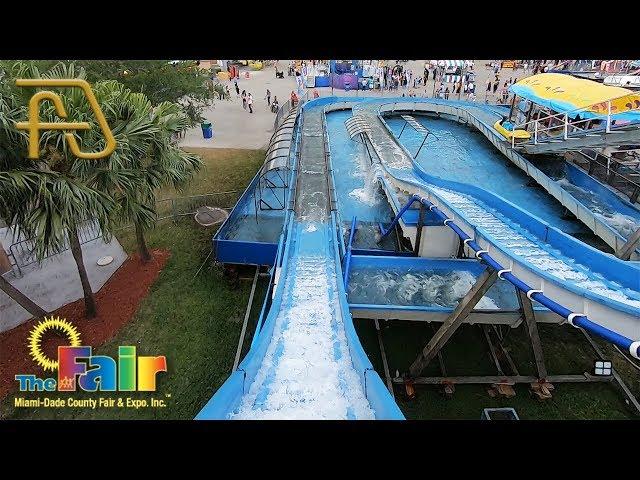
(606, 170)
(286, 107)
(23, 253)
(177, 207)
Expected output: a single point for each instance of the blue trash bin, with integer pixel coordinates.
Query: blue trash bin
(207, 130)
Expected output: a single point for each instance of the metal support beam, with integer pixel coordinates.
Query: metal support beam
(532, 328)
(416, 247)
(628, 248)
(421, 145)
(451, 324)
(385, 365)
(403, 127)
(236, 361)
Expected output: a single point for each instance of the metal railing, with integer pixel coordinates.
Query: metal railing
(556, 125)
(286, 107)
(23, 251)
(24, 254)
(185, 206)
(597, 167)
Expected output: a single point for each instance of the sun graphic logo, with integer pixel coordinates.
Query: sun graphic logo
(57, 324)
(78, 367)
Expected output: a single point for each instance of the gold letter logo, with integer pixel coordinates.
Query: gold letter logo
(33, 126)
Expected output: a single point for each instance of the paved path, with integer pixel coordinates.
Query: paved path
(235, 127)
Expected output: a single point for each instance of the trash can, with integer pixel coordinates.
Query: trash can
(207, 131)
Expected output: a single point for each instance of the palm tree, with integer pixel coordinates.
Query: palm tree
(147, 149)
(164, 165)
(48, 198)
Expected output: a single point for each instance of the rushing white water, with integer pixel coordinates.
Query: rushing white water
(625, 225)
(307, 372)
(542, 256)
(428, 288)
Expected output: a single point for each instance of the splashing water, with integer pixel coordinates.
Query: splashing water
(424, 288)
(625, 225)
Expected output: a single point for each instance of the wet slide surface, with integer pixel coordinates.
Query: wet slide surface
(502, 230)
(454, 152)
(307, 371)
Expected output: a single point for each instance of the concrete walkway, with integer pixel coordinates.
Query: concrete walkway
(234, 127)
(56, 282)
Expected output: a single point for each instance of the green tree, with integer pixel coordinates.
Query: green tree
(61, 191)
(49, 198)
(181, 82)
(147, 147)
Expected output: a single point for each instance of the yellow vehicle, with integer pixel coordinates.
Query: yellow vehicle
(505, 128)
(255, 65)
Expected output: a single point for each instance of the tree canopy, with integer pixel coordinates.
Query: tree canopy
(181, 82)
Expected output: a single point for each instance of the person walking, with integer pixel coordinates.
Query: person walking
(244, 99)
(489, 85)
(495, 86)
(446, 94)
(237, 88)
(268, 97)
(250, 103)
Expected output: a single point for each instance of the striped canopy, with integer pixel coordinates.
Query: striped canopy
(451, 63)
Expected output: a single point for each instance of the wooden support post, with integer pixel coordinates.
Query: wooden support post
(385, 365)
(451, 324)
(505, 380)
(236, 361)
(449, 388)
(492, 350)
(632, 243)
(526, 307)
(416, 247)
(505, 353)
(632, 399)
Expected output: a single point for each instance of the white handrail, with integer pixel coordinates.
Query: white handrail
(564, 116)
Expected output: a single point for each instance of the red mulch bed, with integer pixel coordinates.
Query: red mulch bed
(117, 300)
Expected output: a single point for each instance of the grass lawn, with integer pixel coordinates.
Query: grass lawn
(195, 322)
(565, 349)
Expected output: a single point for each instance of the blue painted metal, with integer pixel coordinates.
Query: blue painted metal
(347, 259)
(397, 218)
(227, 398)
(378, 253)
(580, 320)
(244, 252)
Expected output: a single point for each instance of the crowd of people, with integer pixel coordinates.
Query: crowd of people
(448, 83)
